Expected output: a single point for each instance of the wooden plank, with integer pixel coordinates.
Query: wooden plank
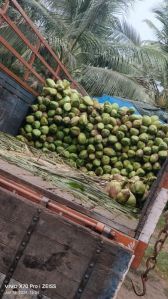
(59, 251)
(20, 291)
(12, 211)
(31, 265)
(67, 233)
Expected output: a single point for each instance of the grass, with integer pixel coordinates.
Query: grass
(162, 260)
(161, 223)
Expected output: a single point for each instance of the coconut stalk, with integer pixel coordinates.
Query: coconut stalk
(52, 168)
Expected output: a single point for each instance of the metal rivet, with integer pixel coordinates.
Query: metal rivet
(91, 265)
(79, 290)
(23, 243)
(101, 242)
(35, 218)
(98, 250)
(29, 232)
(86, 276)
(17, 258)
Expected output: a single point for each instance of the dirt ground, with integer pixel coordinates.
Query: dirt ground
(157, 285)
(157, 288)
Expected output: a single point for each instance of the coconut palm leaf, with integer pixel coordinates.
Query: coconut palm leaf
(100, 81)
(90, 40)
(154, 28)
(125, 33)
(161, 33)
(39, 13)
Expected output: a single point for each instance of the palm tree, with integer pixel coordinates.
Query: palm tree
(161, 14)
(104, 54)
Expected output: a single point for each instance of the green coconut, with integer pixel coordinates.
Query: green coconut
(163, 154)
(152, 129)
(125, 141)
(30, 119)
(143, 137)
(146, 120)
(112, 139)
(123, 196)
(131, 200)
(36, 132)
(154, 158)
(138, 187)
(105, 160)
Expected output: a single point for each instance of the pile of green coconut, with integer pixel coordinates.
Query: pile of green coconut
(100, 139)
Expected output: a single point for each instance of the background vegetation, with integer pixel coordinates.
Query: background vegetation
(98, 46)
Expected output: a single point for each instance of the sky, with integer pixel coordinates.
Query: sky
(142, 9)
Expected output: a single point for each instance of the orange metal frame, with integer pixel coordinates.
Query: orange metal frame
(136, 246)
(29, 70)
(35, 49)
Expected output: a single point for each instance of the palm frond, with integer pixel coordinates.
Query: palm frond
(39, 12)
(125, 33)
(98, 81)
(154, 28)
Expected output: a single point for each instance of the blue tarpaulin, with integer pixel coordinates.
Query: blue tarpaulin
(120, 102)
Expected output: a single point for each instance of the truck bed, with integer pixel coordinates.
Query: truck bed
(65, 184)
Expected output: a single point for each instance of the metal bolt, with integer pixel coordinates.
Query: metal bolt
(98, 251)
(101, 242)
(11, 269)
(86, 276)
(79, 290)
(91, 265)
(29, 232)
(23, 244)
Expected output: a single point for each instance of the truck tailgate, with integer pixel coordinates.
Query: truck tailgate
(70, 260)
